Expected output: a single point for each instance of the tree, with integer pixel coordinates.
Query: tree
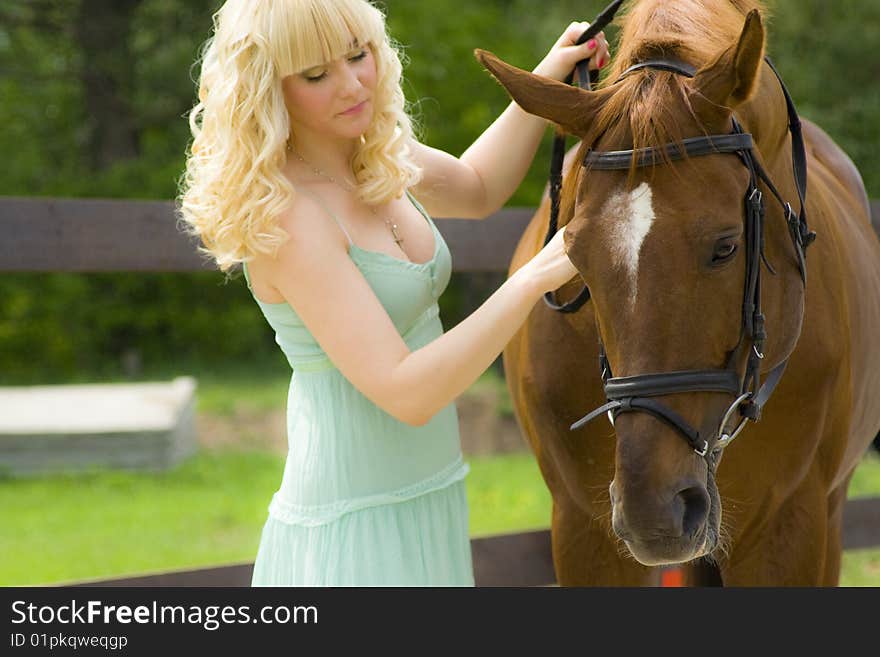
(103, 32)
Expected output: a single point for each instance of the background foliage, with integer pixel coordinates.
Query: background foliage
(93, 97)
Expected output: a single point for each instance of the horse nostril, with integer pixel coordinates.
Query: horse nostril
(695, 501)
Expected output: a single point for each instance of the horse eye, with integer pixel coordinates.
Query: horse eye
(724, 251)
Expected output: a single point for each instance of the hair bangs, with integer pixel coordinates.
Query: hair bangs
(318, 32)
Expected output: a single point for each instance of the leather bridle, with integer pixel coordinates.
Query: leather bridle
(639, 393)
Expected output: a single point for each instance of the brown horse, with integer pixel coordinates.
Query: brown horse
(663, 252)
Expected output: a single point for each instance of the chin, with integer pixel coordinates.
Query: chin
(353, 128)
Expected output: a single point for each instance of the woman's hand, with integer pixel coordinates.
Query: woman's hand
(564, 55)
(550, 268)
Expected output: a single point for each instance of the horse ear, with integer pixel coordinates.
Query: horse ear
(731, 78)
(571, 108)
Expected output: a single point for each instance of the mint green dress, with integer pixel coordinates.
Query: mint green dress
(366, 500)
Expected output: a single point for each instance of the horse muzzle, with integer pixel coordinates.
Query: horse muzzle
(661, 529)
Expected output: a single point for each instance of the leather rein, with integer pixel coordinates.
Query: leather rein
(639, 393)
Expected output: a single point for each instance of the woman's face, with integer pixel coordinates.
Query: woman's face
(334, 100)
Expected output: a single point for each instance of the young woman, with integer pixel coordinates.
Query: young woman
(304, 169)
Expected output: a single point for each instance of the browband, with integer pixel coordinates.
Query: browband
(692, 146)
(663, 64)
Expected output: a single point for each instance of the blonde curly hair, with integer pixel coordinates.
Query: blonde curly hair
(232, 191)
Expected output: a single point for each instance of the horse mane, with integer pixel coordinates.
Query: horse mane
(694, 31)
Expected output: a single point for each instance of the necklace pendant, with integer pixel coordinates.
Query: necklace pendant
(397, 238)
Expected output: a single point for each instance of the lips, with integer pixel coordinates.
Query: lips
(355, 109)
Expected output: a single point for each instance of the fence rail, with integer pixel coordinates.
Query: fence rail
(94, 235)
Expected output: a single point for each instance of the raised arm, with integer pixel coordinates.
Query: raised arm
(330, 295)
(487, 174)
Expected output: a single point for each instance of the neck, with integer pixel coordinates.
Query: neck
(333, 157)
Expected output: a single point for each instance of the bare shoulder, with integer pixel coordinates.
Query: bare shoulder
(314, 239)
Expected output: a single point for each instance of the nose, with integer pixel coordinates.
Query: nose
(692, 507)
(351, 83)
(646, 516)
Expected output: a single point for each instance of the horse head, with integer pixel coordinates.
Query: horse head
(664, 249)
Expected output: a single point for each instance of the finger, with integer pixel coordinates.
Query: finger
(602, 56)
(601, 49)
(589, 48)
(573, 32)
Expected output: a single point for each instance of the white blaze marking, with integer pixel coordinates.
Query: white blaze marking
(632, 216)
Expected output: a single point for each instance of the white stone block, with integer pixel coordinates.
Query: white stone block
(78, 427)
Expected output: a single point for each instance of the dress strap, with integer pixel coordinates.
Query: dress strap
(418, 206)
(320, 202)
(247, 279)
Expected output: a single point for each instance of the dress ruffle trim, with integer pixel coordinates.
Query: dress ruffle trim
(322, 514)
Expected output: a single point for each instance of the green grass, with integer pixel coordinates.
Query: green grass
(860, 568)
(866, 479)
(210, 509)
(206, 511)
(506, 494)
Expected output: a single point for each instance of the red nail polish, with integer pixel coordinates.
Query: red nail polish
(601, 62)
(591, 43)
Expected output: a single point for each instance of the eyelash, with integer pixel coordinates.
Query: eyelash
(361, 55)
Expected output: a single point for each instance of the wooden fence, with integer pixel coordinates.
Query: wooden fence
(47, 234)
(67, 235)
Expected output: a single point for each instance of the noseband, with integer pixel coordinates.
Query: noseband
(639, 393)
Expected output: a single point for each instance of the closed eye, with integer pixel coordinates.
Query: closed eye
(725, 250)
(315, 77)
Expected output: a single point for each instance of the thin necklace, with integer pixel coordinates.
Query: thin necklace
(388, 221)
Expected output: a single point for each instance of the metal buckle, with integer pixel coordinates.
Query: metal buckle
(758, 192)
(724, 439)
(758, 353)
(704, 450)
